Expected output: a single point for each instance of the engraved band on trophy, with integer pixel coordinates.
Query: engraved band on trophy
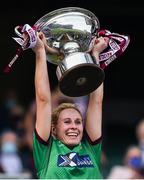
(71, 30)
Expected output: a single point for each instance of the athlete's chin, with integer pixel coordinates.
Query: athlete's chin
(73, 142)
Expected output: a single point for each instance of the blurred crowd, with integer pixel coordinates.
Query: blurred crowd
(16, 128)
(16, 132)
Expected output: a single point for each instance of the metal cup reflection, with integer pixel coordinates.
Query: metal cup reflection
(70, 30)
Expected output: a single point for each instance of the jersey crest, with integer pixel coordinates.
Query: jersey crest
(73, 159)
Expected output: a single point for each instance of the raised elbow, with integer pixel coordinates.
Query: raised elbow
(43, 95)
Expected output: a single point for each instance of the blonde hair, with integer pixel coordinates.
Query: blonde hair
(61, 107)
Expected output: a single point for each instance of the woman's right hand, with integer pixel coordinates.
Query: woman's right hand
(40, 44)
(47, 48)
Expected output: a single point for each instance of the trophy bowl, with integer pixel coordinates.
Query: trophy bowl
(70, 30)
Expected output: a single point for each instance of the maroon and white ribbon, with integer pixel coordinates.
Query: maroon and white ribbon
(117, 45)
(24, 43)
(31, 39)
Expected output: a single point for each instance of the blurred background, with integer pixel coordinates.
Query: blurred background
(123, 105)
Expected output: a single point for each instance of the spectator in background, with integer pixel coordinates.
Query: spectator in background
(10, 160)
(140, 137)
(131, 168)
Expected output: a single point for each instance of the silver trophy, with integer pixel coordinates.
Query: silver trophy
(70, 30)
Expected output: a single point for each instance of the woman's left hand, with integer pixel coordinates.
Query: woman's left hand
(100, 44)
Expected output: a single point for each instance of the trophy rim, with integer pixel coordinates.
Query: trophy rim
(87, 12)
(52, 16)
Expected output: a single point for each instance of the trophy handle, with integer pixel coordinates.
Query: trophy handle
(16, 29)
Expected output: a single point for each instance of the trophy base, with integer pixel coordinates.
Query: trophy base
(81, 80)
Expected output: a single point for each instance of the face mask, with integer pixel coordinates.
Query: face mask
(9, 147)
(135, 162)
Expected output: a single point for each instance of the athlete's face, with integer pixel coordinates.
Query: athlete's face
(69, 127)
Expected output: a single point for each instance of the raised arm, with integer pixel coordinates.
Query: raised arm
(42, 90)
(94, 112)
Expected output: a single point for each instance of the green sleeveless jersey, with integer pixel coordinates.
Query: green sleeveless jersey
(54, 160)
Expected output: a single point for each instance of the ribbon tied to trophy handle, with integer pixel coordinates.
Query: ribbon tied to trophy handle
(27, 43)
(31, 39)
(116, 46)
